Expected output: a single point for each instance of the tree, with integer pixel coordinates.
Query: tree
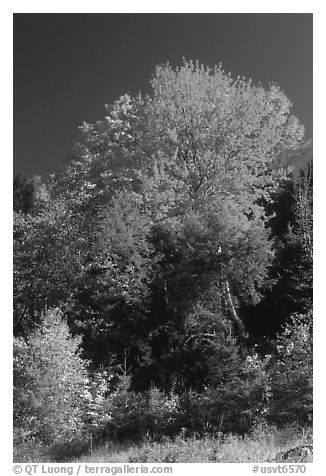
(111, 304)
(163, 207)
(53, 245)
(23, 192)
(50, 379)
(292, 269)
(303, 208)
(206, 144)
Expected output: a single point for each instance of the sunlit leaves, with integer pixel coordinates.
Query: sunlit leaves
(49, 381)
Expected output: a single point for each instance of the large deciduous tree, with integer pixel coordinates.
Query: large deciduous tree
(201, 144)
(169, 191)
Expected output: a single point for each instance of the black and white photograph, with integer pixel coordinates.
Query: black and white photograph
(162, 240)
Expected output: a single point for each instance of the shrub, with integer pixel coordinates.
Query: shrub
(237, 397)
(50, 379)
(237, 393)
(162, 417)
(126, 414)
(127, 411)
(291, 373)
(97, 409)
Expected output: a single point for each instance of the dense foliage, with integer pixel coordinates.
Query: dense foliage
(49, 381)
(175, 224)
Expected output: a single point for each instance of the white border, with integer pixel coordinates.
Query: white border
(168, 6)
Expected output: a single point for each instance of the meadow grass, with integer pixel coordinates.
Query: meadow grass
(261, 446)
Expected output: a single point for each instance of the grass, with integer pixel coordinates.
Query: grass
(262, 445)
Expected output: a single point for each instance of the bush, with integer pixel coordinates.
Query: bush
(132, 415)
(162, 417)
(128, 410)
(98, 408)
(219, 411)
(238, 389)
(26, 449)
(291, 374)
(50, 380)
(126, 414)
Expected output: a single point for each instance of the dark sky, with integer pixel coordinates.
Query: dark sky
(67, 66)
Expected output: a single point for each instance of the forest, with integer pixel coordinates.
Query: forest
(163, 276)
